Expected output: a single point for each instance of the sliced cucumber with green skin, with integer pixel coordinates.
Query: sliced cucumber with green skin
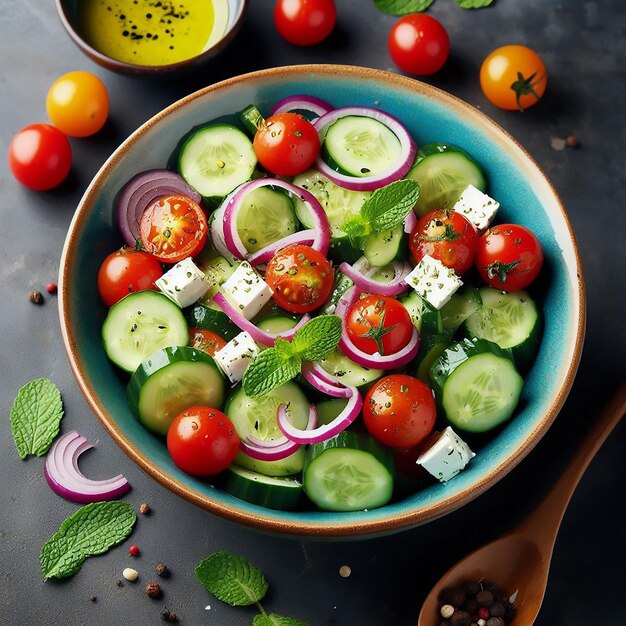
(476, 384)
(257, 417)
(509, 319)
(347, 371)
(208, 316)
(461, 306)
(172, 380)
(431, 348)
(360, 146)
(217, 270)
(277, 323)
(251, 119)
(349, 472)
(443, 174)
(266, 215)
(328, 410)
(426, 318)
(140, 324)
(342, 284)
(215, 159)
(274, 492)
(385, 247)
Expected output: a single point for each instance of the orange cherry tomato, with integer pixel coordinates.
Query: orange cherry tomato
(205, 340)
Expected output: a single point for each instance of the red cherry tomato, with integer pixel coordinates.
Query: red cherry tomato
(399, 411)
(287, 144)
(301, 278)
(173, 228)
(379, 324)
(447, 236)
(40, 157)
(509, 257)
(419, 44)
(305, 22)
(125, 271)
(202, 441)
(205, 340)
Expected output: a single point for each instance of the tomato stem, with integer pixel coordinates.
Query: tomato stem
(500, 270)
(524, 87)
(378, 332)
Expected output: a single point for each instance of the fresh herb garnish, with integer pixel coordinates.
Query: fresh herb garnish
(405, 7)
(35, 417)
(232, 579)
(91, 530)
(474, 4)
(279, 364)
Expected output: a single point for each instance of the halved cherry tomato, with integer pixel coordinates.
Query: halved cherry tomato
(447, 236)
(509, 257)
(287, 144)
(125, 271)
(173, 228)
(205, 340)
(301, 278)
(202, 441)
(513, 77)
(305, 22)
(379, 324)
(399, 411)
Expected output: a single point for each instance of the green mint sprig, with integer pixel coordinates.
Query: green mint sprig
(474, 4)
(36, 416)
(382, 211)
(405, 7)
(92, 529)
(232, 579)
(279, 364)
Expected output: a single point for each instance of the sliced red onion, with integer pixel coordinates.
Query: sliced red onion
(360, 274)
(410, 222)
(260, 336)
(368, 183)
(65, 478)
(322, 383)
(262, 256)
(140, 192)
(302, 102)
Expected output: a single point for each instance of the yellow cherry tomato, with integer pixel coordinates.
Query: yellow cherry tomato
(78, 104)
(513, 77)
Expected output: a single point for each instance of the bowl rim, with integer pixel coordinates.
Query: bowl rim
(137, 68)
(351, 528)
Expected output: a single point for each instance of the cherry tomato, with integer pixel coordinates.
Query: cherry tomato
(513, 77)
(78, 104)
(40, 157)
(379, 324)
(205, 340)
(202, 441)
(447, 236)
(173, 228)
(301, 278)
(399, 411)
(287, 144)
(509, 257)
(305, 22)
(125, 271)
(419, 44)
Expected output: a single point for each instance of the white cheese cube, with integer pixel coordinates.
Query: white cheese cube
(246, 290)
(446, 457)
(433, 281)
(236, 355)
(184, 283)
(477, 207)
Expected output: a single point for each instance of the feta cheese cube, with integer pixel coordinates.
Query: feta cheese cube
(433, 281)
(477, 207)
(184, 283)
(246, 290)
(236, 355)
(446, 457)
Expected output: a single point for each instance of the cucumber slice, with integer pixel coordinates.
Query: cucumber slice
(347, 371)
(350, 472)
(385, 247)
(342, 284)
(170, 381)
(266, 215)
(328, 410)
(361, 146)
(277, 323)
(431, 348)
(443, 175)
(282, 493)
(140, 324)
(209, 316)
(461, 306)
(215, 159)
(425, 317)
(251, 119)
(509, 319)
(217, 270)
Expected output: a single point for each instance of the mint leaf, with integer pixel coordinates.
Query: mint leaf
(388, 206)
(273, 619)
(474, 4)
(232, 578)
(402, 7)
(318, 337)
(269, 370)
(35, 417)
(91, 530)
(356, 228)
(284, 348)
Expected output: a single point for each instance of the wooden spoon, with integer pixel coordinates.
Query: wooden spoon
(520, 559)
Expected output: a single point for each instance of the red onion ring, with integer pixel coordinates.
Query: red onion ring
(302, 102)
(322, 383)
(358, 273)
(410, 222)
(65, 478)
(368, 183)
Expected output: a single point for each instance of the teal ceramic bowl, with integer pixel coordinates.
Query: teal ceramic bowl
(525, 194)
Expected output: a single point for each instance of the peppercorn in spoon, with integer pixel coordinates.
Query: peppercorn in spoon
(519, 561)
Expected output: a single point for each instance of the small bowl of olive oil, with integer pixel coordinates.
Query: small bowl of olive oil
(151, 36)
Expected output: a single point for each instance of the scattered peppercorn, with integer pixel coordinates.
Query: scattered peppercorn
(130, 574)
(51, 288)
(144, 508)
(153, 590)
(35, 297)
(173, 617)
(133, 550)
(484, 598)
(495, 621)
(345, 571)
(93, 598)
(572, 141)
(119, 583)
(447, 611)
(161, 570)
(168, 616)
(475, 604)
(483, 613)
